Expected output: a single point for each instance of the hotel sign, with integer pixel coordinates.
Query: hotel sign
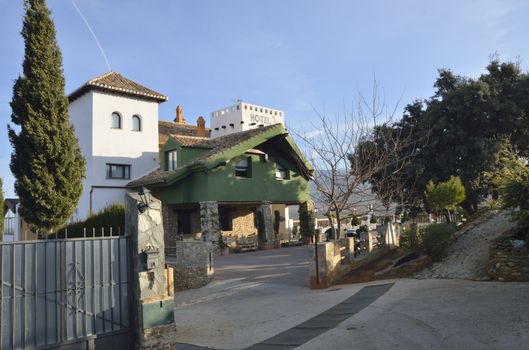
(262, 119)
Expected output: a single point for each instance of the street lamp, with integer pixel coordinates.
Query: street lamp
(145, 197)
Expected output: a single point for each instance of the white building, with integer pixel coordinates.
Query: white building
(243, 116)
(116, 123)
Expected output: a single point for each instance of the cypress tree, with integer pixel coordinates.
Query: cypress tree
(2, 210)
(47, 163)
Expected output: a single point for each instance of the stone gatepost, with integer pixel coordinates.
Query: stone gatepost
(266, 209)
(209, 220)
(153, 292)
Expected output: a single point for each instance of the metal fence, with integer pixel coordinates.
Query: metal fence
(59, 290)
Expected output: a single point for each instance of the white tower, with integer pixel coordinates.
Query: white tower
(243, 116)
(116, 123)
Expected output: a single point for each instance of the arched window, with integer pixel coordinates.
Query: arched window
(136, 123)
(116, 120)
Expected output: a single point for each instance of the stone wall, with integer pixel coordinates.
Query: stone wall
(334, 259)
(161, 337)
(243, 224)
(193, 267)
(506, 263)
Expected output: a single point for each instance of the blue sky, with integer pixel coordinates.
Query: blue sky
(295, 55)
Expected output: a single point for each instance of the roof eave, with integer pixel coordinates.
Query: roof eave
(99, 87)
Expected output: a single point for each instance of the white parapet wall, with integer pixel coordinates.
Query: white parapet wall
(243, 116)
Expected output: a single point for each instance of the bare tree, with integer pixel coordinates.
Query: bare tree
(347, 151)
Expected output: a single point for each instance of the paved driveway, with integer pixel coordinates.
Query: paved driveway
(257, 296)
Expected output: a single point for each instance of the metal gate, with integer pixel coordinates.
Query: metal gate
(56, 291)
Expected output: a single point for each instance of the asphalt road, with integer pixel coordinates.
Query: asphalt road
(257, 296)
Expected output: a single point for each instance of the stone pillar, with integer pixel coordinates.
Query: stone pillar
(209, 220)
(349, 244)
(170, 228)
(193, 267)
(266, 209)
(153, 295)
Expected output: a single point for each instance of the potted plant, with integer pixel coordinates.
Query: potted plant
(224, 248)
(306, 224)
(261, 232)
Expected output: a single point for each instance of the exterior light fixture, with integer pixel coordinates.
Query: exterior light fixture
(145, 196)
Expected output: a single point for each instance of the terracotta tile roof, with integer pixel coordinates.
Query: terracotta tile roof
(166, 129)
(192, 141)
(152, 178)
(223, 143)
(116, 83)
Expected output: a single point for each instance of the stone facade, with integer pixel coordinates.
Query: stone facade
(508, 264)
(193, 266)
(243, 224)
(153, 295)
(209, 220)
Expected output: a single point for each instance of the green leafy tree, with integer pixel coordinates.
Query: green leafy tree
(445, 195)
(355, 221)
(512, 182)
(458, 131)
(47, 162)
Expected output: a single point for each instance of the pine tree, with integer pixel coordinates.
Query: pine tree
(47, 162)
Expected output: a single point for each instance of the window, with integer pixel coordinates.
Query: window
(170, 160)
(118, 171)
(242, 169)
(116, 120)
(136, 123)
(281, 172)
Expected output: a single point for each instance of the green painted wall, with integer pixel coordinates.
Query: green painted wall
(222, 185)
(184, 154)
(158, 313)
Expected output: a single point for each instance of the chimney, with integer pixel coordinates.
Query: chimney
(179, 115)
(201, 127)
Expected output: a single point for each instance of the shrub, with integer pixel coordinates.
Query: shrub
(436, 239)
(433, 240)
(222, 243)
(515, 194)
(306, 221)
(411, 238)
(374, 219)
(112, 216)
(355, 221)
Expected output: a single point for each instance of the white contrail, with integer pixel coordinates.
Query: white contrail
(93, 34)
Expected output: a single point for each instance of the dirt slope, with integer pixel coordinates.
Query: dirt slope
(468, 256)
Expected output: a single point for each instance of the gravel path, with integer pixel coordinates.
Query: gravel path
(469, 254)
